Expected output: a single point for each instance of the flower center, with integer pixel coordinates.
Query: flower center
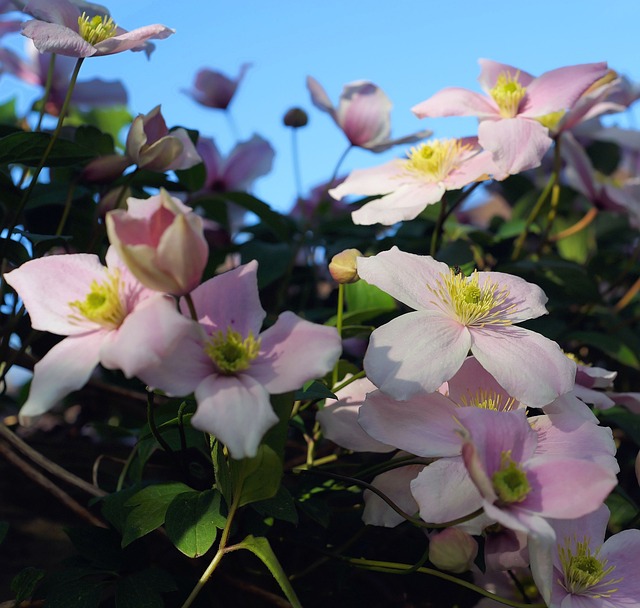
(584, 570)
(230, 352)
(508, 93)
(103, 304)
(473, 304)
(551, 120)
(434, 160)
(487, 400)
(510, 481)
(96, 29)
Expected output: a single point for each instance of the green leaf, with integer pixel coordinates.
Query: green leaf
(8, 111)
(149, 509)
(222, 472)
(610, 344)
(24, 583)
(281, 506)
(279, 225)
(75, 593)
(313, 390)
(261, 548)
(261, 475)
(273, 259)
(142, 589)
(28, 149)
(623, 510)
(193, 179)
(193, 519)
(363, 296)
(100, 546)
(109, 120)
(95, 140)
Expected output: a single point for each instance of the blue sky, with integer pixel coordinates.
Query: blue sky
(411, 48)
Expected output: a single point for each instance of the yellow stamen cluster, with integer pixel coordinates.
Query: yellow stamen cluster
(473, 304)
(508, 93)
(487, 400)
(435, 159)
(551, 120)
(96, 29)
(584, 570)
(103, 304)
(510, 482)
(230, 352)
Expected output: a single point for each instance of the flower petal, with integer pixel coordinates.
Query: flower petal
(59, 39)
(133, 40)
(491, 70)
(294, 351)
(507, 352)
(402, 366)
(319, 97)
(248, 161)
(369, 182)
(364, 114)
(236, 410)
(64, 369)
(455, 101)
(59, 12)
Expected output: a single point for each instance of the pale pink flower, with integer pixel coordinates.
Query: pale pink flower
(584, 570)
(455, 314)
(215, 90)
(105, 313)
(514, 112)
(60, 28)
(161, 241)
(233, 368)
(411, 184)
(363, 114)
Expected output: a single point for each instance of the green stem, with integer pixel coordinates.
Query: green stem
(348, 381)
(555, 194)
(437, 231)
(339, 164)
(152, 424)
(183, 438)
(222, 547)
(47, 152)
(47, 89)
(339, 321)
(67, 208)
(396, 568)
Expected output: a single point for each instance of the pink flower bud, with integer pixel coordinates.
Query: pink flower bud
(452, 550)
(343, 266)
(161, 241)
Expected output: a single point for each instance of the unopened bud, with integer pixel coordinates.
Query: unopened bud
(343, 266)
(295, 118)
(452, 550)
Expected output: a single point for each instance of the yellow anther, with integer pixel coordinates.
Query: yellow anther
(435, 159)
(508, 93)
(103, 304)
(230, 352)
(96, 29)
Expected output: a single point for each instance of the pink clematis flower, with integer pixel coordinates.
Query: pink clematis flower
(215, 90)
(584, 570)
(105, 313)
(514, 112)
(363, 114)
(233, 368)
(60, 28)
(409, 185)
(455, 314)
(161, 241)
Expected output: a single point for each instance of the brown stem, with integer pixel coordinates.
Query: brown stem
(589, 216)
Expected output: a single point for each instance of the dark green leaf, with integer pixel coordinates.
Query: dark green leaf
(76, 593)
(261, 475)
(363, 296)
(221, 469)
(192, 521)
(314, 390)
(193, 179)
(100, 546)
(149, 509)
(273, 259)
(610, 344)
(261, 548)
(24, 583)
(277, 223)
(622, 508)
(623, 419)
(28, 149)
(143, 589)
(281, 506)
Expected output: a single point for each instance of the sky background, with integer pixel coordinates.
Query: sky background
(410, 48)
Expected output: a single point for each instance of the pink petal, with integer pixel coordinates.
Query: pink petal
(230, 301)
(478, 167)
(579, 171)
(507, 354)
(490, 70)
(374, 180)
(132, 40)
(319, 97)
(394, 484)
(64, 369)
(405, 276)
(247, 162)
(455, 101)
(212, 160)
(59, 12)
(397, 365)
(364, 113)
(404, 204)
(236, 410)
(560, 89)
(424, 425)
(517, 144)
(64, 279)
(396, 141)
(160, 155)
(294, 351)
(54, 38)
(444, 491)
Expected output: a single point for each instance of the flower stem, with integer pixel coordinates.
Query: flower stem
(295, 154)
(67, 208)
(437, 231)
(339, 164)
(192, 308)
(47, 152)
(396, 568)
(222, 547)
(577, 227)
(47, 90)
(152, 424)
(339, 319)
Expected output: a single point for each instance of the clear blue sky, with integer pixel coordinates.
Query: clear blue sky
(411, 48)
